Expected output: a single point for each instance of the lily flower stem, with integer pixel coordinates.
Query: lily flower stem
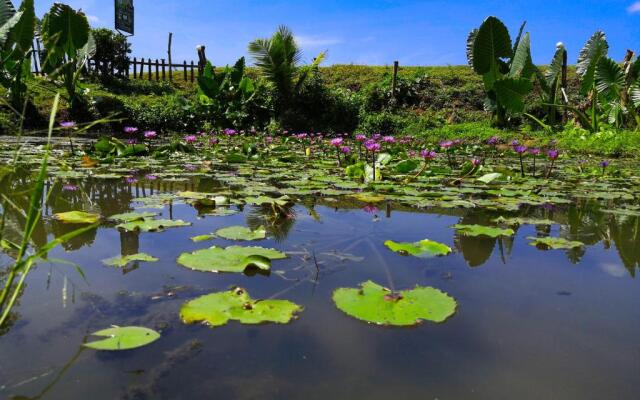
(550, 168)
(521, 166)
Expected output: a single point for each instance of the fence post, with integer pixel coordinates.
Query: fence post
(135, 68)
(192, 72)
(394, 83)
(170, 60)
(150, 70)
(185, 72)
(163, 70)
(157, 70)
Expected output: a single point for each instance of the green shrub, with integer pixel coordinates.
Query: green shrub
(112, 52)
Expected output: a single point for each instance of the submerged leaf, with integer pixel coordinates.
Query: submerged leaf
(77, 217)
(423, 249)
(555, 243)
(123, 261)
(376, 304)
(230, 259)
(123, 338)
(218, 309)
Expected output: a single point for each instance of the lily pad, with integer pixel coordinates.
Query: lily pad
(368, 197)
(152, 225)
(555, 243)
(378, 305)
(481, 230)
(422, 249)
(123, 338)
(523, 221)
(218, 309)
(123, 261)
(77, 217)
(242, 233)
(488, 178)
(132, 216)
(230, 259)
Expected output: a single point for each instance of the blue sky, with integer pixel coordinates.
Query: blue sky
(365, 31)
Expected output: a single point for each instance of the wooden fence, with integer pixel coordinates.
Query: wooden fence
(148, 69)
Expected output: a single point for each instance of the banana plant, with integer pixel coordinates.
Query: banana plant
(506, 68)
(618, 90)
(17, 32)
(227, 92)
(69, 46)
(551, 82)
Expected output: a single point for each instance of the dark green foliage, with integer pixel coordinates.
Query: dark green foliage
(112, 52)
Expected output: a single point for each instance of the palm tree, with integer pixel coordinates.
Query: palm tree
(278, 59)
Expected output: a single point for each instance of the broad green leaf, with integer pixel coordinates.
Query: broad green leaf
(152, 225)
(406, 166)
(123, 338)
(491, 43)
(375, 304)
(481, 230)
(230, 259)
(522, 57)
(241, 233)
(511, 91)
(123, 261)
(488, 178)
(595, 48)
(610, 79)
(423, 249)
(555, 243)
(77, 217)
(523, 221)
(217, 309)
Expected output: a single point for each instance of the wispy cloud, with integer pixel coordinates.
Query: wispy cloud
(93, 19)
(316, 41)
(634, 8)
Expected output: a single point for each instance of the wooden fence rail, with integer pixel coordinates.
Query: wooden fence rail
(148, 69)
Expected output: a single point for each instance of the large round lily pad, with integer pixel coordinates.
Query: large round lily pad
(123, 338)
(376, 304)
(555, 243)
(152, 225)
(217, 309)
(230, 259)
(241, 233)
(123, 261)
(422, 249)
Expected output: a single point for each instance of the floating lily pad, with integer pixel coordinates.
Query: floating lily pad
(260, 200)
(218, 309)
(368, 197)
(230, 259)
(376, 304)
(77, 217)
(152, 225)
(555, 243)
(242, 233)
(123, 338)
(488, 178)
(523, 221)
(123, 261)
(481, 230)
(423, 249)
(132, 216)
(202, 238)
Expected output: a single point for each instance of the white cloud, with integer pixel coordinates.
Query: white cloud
(634, 8)
(315, 41)
(93, 19)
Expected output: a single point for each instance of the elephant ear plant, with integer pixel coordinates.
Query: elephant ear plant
(69, 46)
(17, 31)
(506, 68)
(226, 93)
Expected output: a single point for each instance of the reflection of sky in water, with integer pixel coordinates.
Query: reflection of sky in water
(530, 324)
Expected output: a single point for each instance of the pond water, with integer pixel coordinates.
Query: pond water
(530, 323)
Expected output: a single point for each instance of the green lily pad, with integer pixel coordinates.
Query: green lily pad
(523, 221)
(481, 230)
(202, 238)
(375, 304)
(132, 216)
(123, 261)
(555, 243)
(218, 309)
(152, 225)
(488, 178)
(123, 338)
(77, 217)
(242, 233)
(423, 249)
(230, 259)
(368, 197)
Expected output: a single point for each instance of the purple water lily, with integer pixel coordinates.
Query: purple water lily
(130, 129)
(150, 135)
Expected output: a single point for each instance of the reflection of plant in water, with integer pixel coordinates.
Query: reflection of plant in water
(277, 219)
